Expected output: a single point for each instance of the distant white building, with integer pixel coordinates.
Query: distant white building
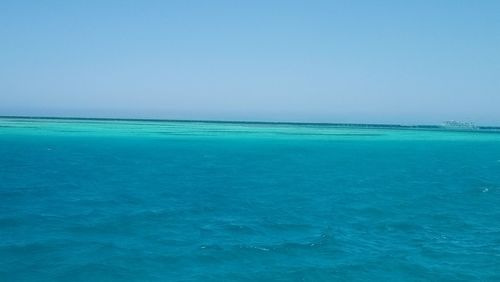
(452, 124)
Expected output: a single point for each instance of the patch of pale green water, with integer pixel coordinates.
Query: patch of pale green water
(172, 129)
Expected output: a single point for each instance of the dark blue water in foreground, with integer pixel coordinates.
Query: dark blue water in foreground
(77, 204)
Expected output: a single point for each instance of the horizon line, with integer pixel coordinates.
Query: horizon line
(378, 125)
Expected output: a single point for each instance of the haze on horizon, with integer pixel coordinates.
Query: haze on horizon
(310, 61)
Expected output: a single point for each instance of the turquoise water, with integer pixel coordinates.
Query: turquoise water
(90, 200)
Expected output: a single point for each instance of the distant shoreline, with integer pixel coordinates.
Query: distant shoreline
(359, 125)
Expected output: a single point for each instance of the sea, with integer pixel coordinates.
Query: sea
(148, 200)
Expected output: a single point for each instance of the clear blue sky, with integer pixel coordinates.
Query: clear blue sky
(325, 61)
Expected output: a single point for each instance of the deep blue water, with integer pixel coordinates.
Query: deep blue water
(151, 202)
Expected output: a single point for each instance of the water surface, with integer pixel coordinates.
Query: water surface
(94, 200)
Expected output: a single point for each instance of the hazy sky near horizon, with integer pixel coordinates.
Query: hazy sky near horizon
(313, 61)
